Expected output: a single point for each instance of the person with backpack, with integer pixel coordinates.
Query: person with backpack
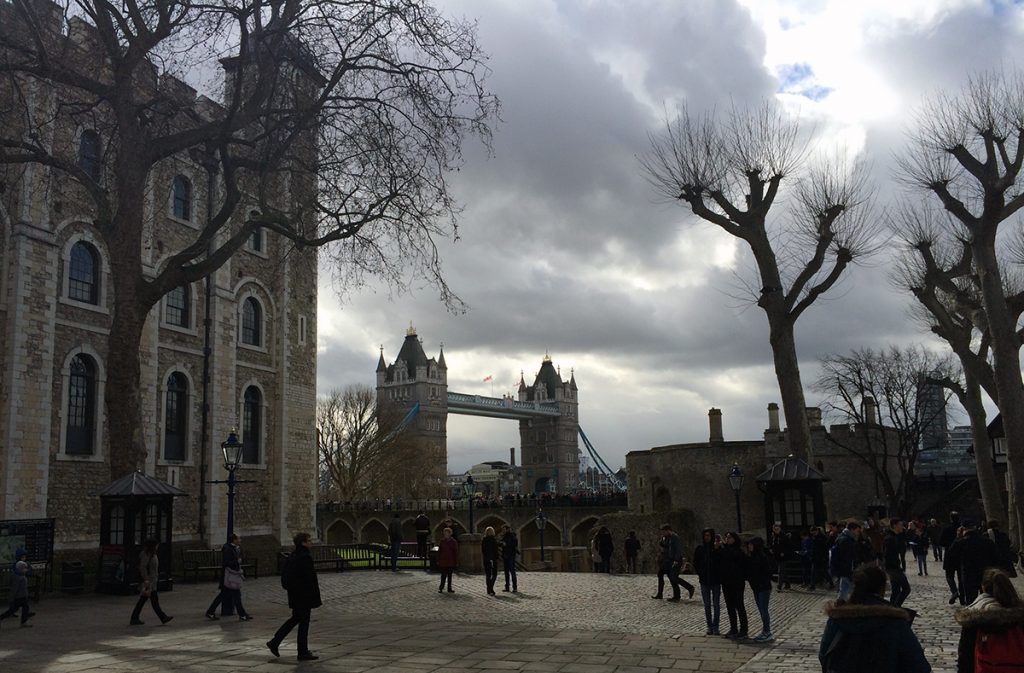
(869, 634)
(298, 578)
(992, 628)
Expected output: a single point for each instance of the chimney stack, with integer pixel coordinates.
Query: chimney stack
(715, 421)
(512, 456)
(814, 417)
(870, 411)
(773, 417)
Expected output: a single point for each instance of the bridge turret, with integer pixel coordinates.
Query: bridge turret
(550, 446)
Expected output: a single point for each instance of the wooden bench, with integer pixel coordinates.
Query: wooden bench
(335, 557)
(406, 552)
(196, 561)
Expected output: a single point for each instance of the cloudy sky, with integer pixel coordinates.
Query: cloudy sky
(566, 250)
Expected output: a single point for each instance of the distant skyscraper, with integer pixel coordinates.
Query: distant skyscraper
(931, 406)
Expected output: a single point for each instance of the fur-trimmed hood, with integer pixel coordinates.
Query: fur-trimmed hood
(866, 611)
(991, 619)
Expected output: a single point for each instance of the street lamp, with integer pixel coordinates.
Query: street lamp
(232, 450)
(736, 482)
(468, 487)
(541, 522)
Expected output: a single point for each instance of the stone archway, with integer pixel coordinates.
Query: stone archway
(580, 535)
(529, 535)
(490, 520)
(340, 532)
(374, 531)
(409, 530)
(662, 500)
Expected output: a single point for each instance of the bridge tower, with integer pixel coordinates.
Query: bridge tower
(413, 379)
(550, 446)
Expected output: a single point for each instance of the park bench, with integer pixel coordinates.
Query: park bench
(335, 557)
(407, 551)
(197, 561)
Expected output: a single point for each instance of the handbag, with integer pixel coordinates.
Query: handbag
(233, 579)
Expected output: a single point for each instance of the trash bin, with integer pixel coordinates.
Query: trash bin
(72, 576)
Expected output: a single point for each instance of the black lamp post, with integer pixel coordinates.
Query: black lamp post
(468, 487)
(736, 482)
(541, 522)
(232, 450)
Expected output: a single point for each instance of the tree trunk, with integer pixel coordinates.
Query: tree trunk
(1006, 366)
(787, 372)
(988, 484)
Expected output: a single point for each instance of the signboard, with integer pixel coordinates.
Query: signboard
(35, 536)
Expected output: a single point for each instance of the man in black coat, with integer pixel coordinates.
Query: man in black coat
(422, 534)
(299, 578)
(893, 549)
(670, 562)
(976, 553)
(780, 544)
(707, 558)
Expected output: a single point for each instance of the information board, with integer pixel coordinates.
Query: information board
(35, 536)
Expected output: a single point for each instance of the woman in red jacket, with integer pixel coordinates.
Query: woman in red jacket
(447, 559)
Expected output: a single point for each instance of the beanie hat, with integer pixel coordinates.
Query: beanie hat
(19, 553)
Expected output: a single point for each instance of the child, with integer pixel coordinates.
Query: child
(19, 593)
(447, 559)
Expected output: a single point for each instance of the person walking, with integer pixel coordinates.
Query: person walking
(489, 551)
(992, 628)
(231, 579)
(298, 578)
(632, 549)
(976, 553)
(509, 543)
(845, 556)
(949, 535)
(868, 634)
(447, 559)
(149, 575)
(893, 549)
(780, 544)
(670, 563)
(422, 534)
(934, 532)
(19, 592)
(919, 542)
(605, 547)
(819, 558)
(759, 575)
(706, 560)
(1005, 555)
(733, 572)
(395, 537)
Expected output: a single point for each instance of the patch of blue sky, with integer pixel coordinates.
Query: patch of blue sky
(798, 79)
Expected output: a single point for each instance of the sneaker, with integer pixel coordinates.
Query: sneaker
(307, 656)
(440, 590)
(768, 638)
(272, 646)
(212, 616)
(244, 618)
(656, 597)
(164, 620)
(450, 590)
(136, 622)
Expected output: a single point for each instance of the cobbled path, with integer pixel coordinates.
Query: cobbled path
(383, 622)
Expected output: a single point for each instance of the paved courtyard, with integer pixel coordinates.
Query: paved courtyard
(397, 622)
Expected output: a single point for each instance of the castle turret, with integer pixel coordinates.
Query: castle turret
(550, 445)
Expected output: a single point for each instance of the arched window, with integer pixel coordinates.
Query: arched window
(89, 154)
(81, 425)
(181, 198)
(252, 407)
(84, 274)
(176, 307)
(175, 416)
(252, 322)
(256, 240)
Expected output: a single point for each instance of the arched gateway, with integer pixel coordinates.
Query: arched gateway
(547, 411)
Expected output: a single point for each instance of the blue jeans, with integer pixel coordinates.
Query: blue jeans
(711, 594)
(761, 601)
(396, 549)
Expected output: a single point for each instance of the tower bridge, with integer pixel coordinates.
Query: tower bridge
(547, 411)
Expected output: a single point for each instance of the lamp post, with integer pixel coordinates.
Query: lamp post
(736, 482)
(468, 487)
(232, 451)
(541, 522)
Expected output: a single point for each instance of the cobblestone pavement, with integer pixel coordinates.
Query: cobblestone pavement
(377, 622)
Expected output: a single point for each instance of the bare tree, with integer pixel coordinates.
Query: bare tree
(359, 448)
(338, 124)
(732, 171)
(967, 152)
(893, 379)
(937, 270)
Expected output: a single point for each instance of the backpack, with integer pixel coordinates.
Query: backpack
(1000, 651)
(288, 572)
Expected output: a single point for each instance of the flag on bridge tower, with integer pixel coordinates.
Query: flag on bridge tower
(489, 377)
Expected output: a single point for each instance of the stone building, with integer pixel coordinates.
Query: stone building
(695, 476)
(56, 301)
(550, 446)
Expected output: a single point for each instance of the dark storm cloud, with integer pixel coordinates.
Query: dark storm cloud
(565, 249)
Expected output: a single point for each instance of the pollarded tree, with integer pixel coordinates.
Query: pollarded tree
(967, 152)
(338, 124)
(732, 171)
